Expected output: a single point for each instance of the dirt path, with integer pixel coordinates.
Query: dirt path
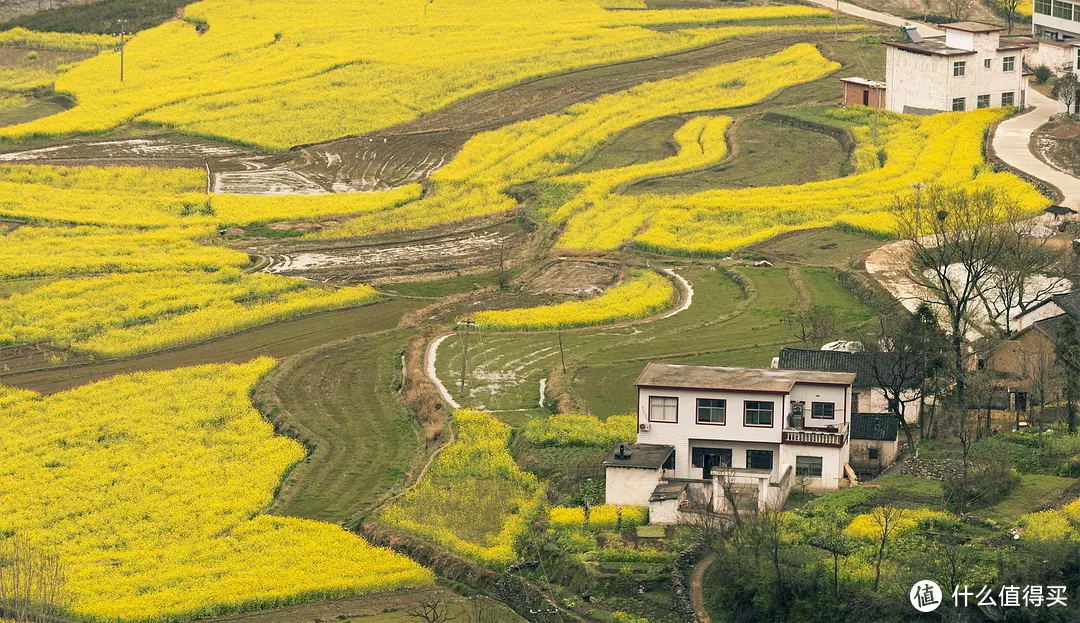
(697, 581)
(875, 16)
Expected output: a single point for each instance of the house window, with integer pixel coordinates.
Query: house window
(1043, 7)
(958, 104)
(663, 409)
(983, 101)
(759, 459)
(874, 454)
(757, 413)
(823, 410)
(1008, 98)
(670, 462)
(1008, 63)
(808, 466)
(711, 411)
(718, 457)
(894, 405)
(959, 68)
(1063, 10)
(987, 62)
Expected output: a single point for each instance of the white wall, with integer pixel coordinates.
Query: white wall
(630, 486)
(926, 82)
(1049, 310)
(687, 433)
(1064, 26)
(916, 80)
(832, 464)
(873, 400)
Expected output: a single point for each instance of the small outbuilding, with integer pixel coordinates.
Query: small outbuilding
(874, 441)
(863, 92)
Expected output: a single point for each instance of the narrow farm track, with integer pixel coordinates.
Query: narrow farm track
(278, 340)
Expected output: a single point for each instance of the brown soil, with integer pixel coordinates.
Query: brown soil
(428, 255)
(573, 278)
(1058, 143)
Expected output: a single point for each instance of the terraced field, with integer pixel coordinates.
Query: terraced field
(728, 324)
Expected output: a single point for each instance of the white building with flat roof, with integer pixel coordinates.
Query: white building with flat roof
(706, 427)
(967, 68)
(1055, 20)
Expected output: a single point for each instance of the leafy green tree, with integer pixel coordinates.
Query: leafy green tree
(1067, 352)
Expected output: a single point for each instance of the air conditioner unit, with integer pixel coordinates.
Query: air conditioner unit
(643, 427)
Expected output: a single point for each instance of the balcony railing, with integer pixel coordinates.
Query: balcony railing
(817, 436)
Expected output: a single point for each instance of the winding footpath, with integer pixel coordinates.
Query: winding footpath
(874, 16)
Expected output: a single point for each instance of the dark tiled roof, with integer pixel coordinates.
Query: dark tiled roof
(743, 379)
(642, 455)
(862, 364)
(668, 491)
(1062, 210)
(874, 426)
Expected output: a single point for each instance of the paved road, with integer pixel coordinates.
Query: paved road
(1012, 141)
(876, 16)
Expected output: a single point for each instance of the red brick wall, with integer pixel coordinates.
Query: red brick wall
(853, 95)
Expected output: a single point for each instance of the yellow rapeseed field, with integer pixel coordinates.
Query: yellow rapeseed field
(349, 67)
(471, 184)
(148, 488)
(645, 293)
(23, 38)
(475, 500)
(132, 313)
(142, 274)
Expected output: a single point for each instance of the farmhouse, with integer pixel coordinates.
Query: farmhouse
(967, 68)
(866, 395)
(704, 428)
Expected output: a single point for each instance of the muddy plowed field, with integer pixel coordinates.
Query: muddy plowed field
(432, 255)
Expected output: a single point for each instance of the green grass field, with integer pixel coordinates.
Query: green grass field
(723, 326)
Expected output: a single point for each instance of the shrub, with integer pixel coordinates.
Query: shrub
(986, 484)
(1043, 73)
(865, 527)
(571, 429)
(625, 617)
(1049, 525)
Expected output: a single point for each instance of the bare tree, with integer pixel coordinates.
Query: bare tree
(958, 9)
(33, 585)
(706, 526)
(811, 324)
(906, 351)
(434, 610)
(955, 238)
(830, 538)
(887, 518)
(1067, 352)
(1010, 7)
(1029, 271)
(1065, 90)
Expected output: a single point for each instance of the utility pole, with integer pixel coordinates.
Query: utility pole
(836, 22)
(123, 32)
(562, 355)
(465, 355)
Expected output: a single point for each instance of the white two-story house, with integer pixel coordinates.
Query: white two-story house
(968, 68)
(700, 426)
